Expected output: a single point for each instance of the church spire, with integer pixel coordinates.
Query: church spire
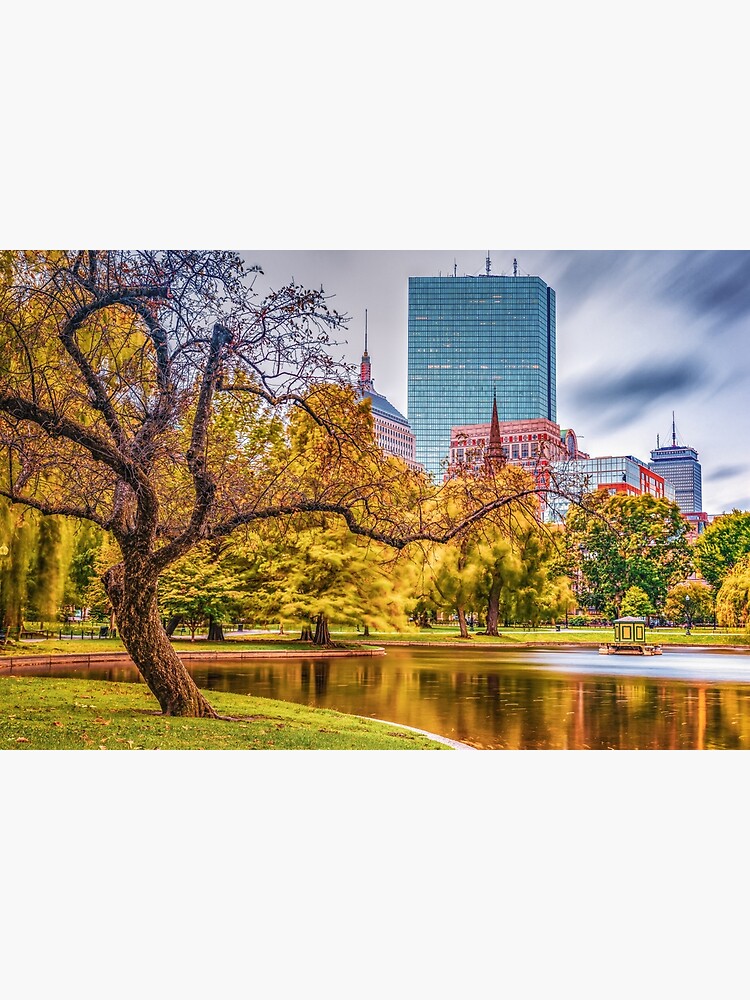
(494, 452)
(365, 369)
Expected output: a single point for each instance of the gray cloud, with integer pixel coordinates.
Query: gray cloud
(727, 472)
(622, 396)
(714, 284)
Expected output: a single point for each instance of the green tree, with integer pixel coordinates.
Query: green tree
(721, 545)
(507, 566)
(733, 599)
(95, 596)
(316, 572)
(541, 592)
(50, 564)
(452, 578)
(87, 547)
(690, 601)
(18, 531)
(617, 542)
(636, 603)
(200, 589)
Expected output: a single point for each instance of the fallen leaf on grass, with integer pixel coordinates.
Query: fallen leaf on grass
(22, 739)
(101, 721)
(57, 723)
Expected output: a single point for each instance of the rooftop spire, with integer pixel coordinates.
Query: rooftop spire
(494, 453)
(365, 369)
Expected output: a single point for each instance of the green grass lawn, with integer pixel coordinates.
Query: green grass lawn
(43, 713)
(547, 635)
(271, 643)
(345, 639)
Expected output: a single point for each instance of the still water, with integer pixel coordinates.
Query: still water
(514, 699)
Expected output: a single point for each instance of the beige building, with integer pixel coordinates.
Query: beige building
(392, 430)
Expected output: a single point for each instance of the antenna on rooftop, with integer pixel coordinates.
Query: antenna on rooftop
(365, 331)
(674, 435)
(515, 267)
(657, 441)
(454, 267)
(487, 263)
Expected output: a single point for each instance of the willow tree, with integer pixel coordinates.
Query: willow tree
(18, 532)
(733, 599)
(311, 569)
(316, 573)
(149, 392)
(35, 562)
(481, 566)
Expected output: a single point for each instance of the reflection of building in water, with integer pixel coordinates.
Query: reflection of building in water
(304, 676)
(321, 672)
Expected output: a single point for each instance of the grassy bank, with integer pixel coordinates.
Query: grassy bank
(42, 713)
(348, 640)
(269, 644)
(546, 636)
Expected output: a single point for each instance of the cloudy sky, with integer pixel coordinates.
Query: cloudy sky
(639, 334)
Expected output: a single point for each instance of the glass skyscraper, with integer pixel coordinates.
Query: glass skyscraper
(471, 337)
(679, 466)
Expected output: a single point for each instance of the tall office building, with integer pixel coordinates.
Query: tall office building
(679, 466)
(469, 338)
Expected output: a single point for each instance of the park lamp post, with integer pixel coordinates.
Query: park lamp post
(687, 611)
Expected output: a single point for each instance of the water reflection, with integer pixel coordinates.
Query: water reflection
(515, 699)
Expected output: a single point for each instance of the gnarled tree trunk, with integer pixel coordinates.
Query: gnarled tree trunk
(493, 610)
(215, 631)
(322, 634)
(132, 591)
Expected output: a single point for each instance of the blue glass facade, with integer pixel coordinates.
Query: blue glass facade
(472, 336)
(680, 467)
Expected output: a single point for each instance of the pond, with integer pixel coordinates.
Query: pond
(511, 699)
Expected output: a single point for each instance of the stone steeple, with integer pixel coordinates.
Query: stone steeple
(493, 454)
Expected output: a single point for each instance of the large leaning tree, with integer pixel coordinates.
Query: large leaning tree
(149, 392)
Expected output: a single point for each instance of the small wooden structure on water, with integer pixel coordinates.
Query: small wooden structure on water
(630, 639)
